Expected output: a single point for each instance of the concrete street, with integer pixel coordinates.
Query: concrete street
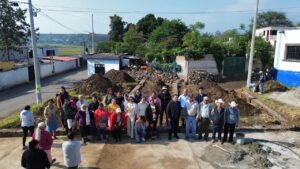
(14, 99)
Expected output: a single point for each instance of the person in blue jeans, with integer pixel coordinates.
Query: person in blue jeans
(232, 118)
(217, 118)
(140, 129)
(192, 109)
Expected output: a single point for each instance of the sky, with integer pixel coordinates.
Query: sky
(74, 16)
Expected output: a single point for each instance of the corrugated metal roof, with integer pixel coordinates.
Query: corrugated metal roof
(60, 58)
(107, 56)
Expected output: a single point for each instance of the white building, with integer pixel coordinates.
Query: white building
(270, 33)
(102, 63)
(287, 57)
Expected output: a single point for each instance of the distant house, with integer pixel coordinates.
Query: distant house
(102, 63)
(287, 57)
(270, 33)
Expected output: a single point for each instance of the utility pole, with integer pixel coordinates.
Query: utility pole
(35, 57)
(93, 43)
(252, 45)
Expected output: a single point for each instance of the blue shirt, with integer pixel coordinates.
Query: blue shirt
(183, 100)
(232, 115)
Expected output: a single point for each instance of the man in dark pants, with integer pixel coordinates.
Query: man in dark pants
(232, 118)
(92, 108)
(200, 95)
(173, 114)
(165, 98)
(204, 118)
(27, 123)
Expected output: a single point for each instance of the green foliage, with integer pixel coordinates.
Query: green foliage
(273, 18)
(166, 67)
(14, 30)
(196, 27)
(263, 52)
(148, 23)
(105, 47)
(116, 28)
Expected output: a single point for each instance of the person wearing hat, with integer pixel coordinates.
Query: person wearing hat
(217, 118)
(112, 107)
(27, 123)
(44, 139)
(84, 120)
(130, 110)
(232, 118)
(193, 109)
(261, 82)
(117, 122)
(165, 98)
(204, 118)
(34, 158)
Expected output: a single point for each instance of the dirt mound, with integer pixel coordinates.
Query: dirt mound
(95, 83)
(151, 86)
(272, 86)
(215, 92)
(118, 76)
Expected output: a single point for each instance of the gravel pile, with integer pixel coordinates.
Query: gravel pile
(166, 77)
(197, 76)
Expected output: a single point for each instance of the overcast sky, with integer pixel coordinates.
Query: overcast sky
(75, 15)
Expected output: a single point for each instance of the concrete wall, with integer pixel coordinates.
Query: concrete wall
(13, 77)
(59, 67)
(288, 72)
(108, 64)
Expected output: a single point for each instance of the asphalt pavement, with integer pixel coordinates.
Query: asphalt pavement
(14, 99)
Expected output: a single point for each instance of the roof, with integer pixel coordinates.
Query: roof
(131, 57)
(60, 58)
(278, 28)
(106, 56)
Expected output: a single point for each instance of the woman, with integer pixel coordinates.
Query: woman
(101, 121)
(27, 123)
(117, 123)
(131, 115)
(45, 140)
(141, 107)
(83, 118)
(152, 113)
(50, 114)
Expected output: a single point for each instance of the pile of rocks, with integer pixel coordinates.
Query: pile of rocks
(198, 76)
(166, 77)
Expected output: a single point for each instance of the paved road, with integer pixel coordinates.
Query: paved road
(14, 99)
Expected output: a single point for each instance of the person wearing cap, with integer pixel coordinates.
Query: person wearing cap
(140, 129)
(183, 99)
(152, 113)
(261, 82)
(204, 118)
(141, 107)
(50, 114)
(130, 110)
(200, 95)
(71, 151)
(34, 158)
(45, 140)
(101, 121)
(217, 118)
(93, 106)
(117, 122)
(232, 119)
(68, 115)
(138, 96)
(84, 120)
(27, 123)
(173, 116)
(165, 98)
(193, 109)
(112, 107)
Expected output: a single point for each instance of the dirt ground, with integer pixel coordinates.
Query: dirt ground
(290, 97)
(176, 154)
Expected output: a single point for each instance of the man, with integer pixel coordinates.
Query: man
(71, 151)
(261, 82)
(204, 118)
(201, 95)
(165, 98)
(101, 121)
(93, 106)
(232, 119)
(173, 115)
(138, 96)
(119, 100)
(152, 112)
(68, 115)
(193, 109)
(217, 118)
(34, 158)
(140, 129)
(183, 99)
(113, 106)
(27, 123)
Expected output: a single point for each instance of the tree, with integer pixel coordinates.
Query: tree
(116, 28)
(105, 47)
(14, 30)
(147, 24)
(273, 18)
(263, 51)
(196, 27)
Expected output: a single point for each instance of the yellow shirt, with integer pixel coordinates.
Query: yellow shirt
(112, 108)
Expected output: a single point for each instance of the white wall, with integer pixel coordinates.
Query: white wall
(288, 37)
(46, 70)
(108, 64)
(13, 77)
(59, 67)
(208, 64)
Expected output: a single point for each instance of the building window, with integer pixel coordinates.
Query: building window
(293, 53)
(273, 32)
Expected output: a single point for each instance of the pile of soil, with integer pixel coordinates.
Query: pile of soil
(94, 84)
(272, 86)
(153, 86)
(118, 76)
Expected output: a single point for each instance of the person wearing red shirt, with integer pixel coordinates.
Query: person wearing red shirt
(117, 122)
(101, 121)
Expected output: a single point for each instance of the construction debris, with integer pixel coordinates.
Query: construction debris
(198, 76)
(272, 86)
(166, 77)
(95, 83)
(117, 76)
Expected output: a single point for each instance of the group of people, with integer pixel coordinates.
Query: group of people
(136, 115)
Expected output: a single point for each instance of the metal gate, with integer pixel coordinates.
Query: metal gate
(234, 66)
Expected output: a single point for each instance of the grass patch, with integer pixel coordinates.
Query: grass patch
(70, 51)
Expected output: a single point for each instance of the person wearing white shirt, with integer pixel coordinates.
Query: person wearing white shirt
(27, 123)
(192, 108)
(183, 99)
(204, 118)
(71, 151)
(130, 110)
(81, 101)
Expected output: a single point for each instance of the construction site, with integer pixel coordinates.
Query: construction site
(267, 137)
